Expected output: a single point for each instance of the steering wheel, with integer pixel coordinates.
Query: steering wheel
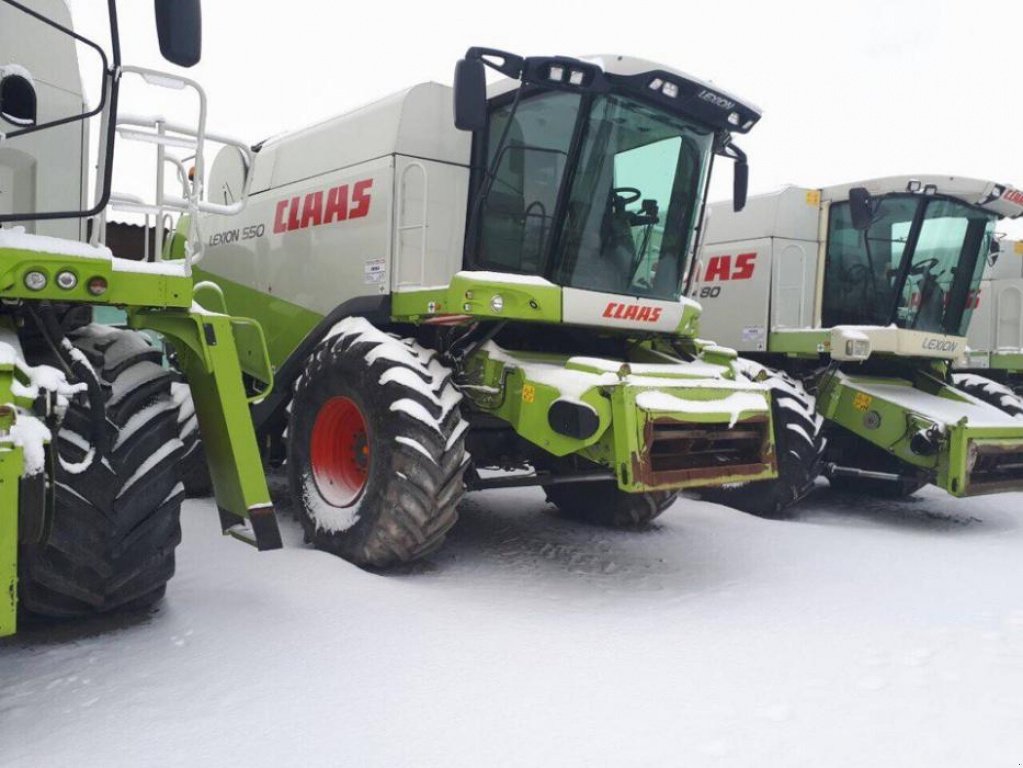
(924, 267)
(623, 196)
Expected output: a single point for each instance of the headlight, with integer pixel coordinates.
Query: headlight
(857, 348)
(35, 280)
(849, 344)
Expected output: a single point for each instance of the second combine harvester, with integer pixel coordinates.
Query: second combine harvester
(863, 293)
(501, 291)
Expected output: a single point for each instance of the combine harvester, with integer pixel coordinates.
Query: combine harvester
(501, 292)
(89, 479)
(863, 293)
(994, 364)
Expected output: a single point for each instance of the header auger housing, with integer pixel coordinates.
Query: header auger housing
(90, 491)
(864, 292)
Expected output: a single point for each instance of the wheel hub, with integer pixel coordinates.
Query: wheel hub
(340, 455)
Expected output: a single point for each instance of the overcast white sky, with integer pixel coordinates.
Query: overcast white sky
(849, 90)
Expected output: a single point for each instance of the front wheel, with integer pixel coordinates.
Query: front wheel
(110, 543)
(798, 443)
(376, 447)
(603, 503)
(990, 392)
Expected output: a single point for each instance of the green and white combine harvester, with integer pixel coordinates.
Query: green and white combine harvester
(90, 493)
(504, 291)
(863, 293)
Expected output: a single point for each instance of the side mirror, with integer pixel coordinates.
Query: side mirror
(861, 208)
(179, 28)
(470, 95)
(18, 102)
(740, 184)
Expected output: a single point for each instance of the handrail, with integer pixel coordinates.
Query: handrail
(165, 134)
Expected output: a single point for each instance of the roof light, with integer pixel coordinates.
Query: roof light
(733, 118)
(914, 186)
(67, 280)
(576, 77)
(556, 73)
(35, 280)
(670, 90)
(655, 84)
(747, 125)
(931, 189)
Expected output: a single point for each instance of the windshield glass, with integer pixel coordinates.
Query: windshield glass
(518, 210)
(631, 210)
(863, 283)
(634, 200)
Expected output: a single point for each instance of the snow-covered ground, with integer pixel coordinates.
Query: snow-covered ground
(863, 633)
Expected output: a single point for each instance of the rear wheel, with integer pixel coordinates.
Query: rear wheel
(110, 543)
(376, 447)
(799, 446)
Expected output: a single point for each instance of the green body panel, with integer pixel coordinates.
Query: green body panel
(11, 464)
(888, 412)
(124, 287)
(808, 343)
(1011, 362)
(214, 350)
(208, 356)
(520, 301)
(520, 389)
(281, 338)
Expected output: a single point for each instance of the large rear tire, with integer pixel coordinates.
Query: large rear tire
(376, 447)
(110, 543)
(799, 447)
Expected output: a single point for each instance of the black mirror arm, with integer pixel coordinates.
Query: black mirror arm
(510, 64)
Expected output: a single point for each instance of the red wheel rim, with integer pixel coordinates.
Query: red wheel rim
(339, 452)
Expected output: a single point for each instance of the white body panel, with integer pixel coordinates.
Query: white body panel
(757, 270)
(616, 311)
(398, 157)
(997, 321)
(48, 170)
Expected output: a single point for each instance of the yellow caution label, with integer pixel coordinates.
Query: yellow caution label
(862, 402)
(813, 197)
(1019, 247)
(528, 393)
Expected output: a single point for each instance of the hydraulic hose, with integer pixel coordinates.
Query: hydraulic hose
(80, 371)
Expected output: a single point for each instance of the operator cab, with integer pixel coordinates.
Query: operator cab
(911, 257)
(593, 173)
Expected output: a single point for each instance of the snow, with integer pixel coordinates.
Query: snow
(734, 404)
(945, 411)
(167, 268)
(162, 453)
(415, 445)
(32, 436)
(865, 633)
(16, 238)
(12, 70)
(509, 278)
